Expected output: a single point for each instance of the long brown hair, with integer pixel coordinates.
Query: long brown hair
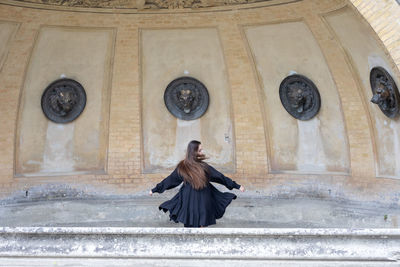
(192, 168)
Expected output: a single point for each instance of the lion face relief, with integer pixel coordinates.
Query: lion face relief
(186, 98)
(382, 95)
(300, 97)
(63, 100)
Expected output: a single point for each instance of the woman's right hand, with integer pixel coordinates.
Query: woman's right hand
(150, 193)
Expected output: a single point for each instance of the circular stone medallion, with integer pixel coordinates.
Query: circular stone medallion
(63, 100)
(300, 97)
(186, 98)
(385, 92)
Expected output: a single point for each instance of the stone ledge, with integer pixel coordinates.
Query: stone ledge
(242, 213)
(330, 244)
(90, 262)
(259, 232)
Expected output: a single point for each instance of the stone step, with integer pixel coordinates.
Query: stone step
(253, 232)
(242, 213)
(167, 246)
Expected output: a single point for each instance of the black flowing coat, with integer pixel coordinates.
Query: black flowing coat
(195, 208)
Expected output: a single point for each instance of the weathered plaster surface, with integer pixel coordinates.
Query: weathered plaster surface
(44, 147)
(364, 53)
(317, 145)
(169, 54)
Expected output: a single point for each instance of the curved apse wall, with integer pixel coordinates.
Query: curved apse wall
(126, 140)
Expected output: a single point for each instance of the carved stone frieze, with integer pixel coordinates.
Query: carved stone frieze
(86, 3)
(143, 4)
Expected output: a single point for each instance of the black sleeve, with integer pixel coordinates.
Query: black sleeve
(217, 177)
(173, 180)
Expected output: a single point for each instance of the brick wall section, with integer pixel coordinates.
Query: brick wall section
(11, 79)
(384, 18)
(250, 144)
(124, 149)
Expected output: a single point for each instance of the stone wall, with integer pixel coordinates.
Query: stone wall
(242, 72)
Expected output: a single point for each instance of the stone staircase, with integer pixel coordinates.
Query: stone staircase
(253, 232)
(140, 246)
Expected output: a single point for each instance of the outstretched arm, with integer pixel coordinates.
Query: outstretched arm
(173, 180)
(217, 177)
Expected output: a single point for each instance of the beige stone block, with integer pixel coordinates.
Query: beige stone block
(48, 148)
(318, 145)
(166, 55)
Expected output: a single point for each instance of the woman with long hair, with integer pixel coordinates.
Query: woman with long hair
(198, 203)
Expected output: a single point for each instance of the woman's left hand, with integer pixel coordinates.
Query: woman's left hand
(242, 188)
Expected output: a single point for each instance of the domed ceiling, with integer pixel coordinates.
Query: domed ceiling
(150, 4)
